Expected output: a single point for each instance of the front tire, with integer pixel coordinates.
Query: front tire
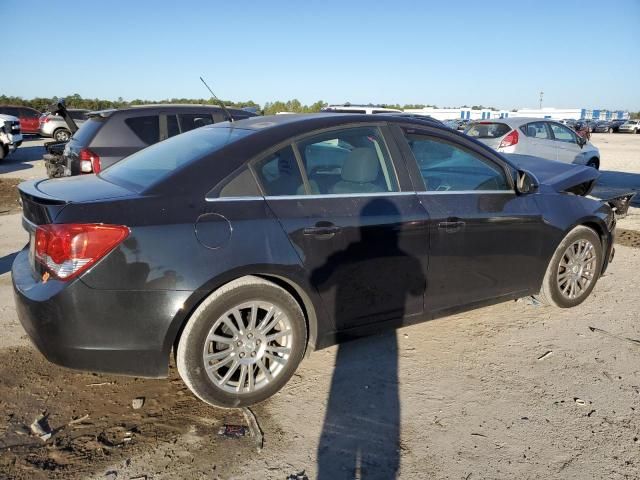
(4, 151)
(242, 343)
(573, 270)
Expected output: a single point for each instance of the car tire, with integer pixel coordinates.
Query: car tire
(4, 151)
(250, 353)
(578, 257)
(61, 135)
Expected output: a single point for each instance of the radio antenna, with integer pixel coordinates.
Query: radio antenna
(218, 100)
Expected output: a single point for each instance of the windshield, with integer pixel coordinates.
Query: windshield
(488, 130)
(146, 167)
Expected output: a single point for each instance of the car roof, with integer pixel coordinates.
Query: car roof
(163, 107)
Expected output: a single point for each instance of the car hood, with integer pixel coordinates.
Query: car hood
(561, 177)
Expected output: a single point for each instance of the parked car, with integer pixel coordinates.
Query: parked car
(10, 135)
(615, 125)
(110, 135)
(29, 117)
(54, 126)
(537, 137)
(240, 246)
(630, 126)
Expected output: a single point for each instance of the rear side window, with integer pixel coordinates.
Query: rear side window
(146, 128)
(189, 121)
(150, 165)
(488, 130)
(172, 126)
(279, 174)
(348, 161)
(87, 131)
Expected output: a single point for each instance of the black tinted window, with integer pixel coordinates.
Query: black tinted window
(13, 111)
(146, 167)
(172, 126)
(146, 129)
(189, 121)
(447, 167)
(87, 131)
(29, 113)
(78, 115)
(279, 174)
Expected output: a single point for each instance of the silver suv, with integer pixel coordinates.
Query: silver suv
(54, 125)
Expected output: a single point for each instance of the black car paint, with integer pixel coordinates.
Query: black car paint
(125, 314)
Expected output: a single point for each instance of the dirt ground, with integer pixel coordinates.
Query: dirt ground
(509, 391)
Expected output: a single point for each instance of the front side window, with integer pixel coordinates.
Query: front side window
(146, 128)
(172, 126)
(562, 133)
(536, 130)
(347, 161)
(447, 167)
(279, 174)
(28, 113)
(78, 114)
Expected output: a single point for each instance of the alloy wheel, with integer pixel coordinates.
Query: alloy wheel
(248, 347)
(577, 269)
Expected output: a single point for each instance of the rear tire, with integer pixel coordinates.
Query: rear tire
(4, 151)
(62, 135)
(573, 270)
(214, 334)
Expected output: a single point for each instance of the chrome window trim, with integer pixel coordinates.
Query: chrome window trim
(353, 195)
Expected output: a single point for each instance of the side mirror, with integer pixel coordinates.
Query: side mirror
(581, 141)
(526, 182)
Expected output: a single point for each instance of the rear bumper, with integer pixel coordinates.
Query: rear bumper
(109, 331)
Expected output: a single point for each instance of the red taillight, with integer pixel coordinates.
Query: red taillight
(66, 250)
(89, 161)
(510, 140)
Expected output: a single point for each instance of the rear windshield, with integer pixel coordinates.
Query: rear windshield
(146, 167)
(87, 131)
(488, 130)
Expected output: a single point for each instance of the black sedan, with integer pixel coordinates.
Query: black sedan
(241, 246)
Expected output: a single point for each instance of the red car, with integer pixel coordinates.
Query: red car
(29, 117)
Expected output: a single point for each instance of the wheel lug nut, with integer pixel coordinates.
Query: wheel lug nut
(253, 354)
(250, 335)
(239, 344)
(241, 354)
(258, 342)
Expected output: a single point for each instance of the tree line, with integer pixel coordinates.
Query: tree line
(76, 101)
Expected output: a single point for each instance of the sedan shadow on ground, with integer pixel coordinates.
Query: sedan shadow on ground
(361, 431)
(6, 262)
(611, 184)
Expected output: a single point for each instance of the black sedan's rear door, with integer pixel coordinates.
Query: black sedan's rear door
(485, 240)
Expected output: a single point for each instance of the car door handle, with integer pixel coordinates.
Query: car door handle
(451, 225)
(324, 231)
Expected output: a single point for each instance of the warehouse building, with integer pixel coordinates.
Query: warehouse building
(552, 113)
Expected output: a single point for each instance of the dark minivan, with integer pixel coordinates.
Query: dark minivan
(110, 135)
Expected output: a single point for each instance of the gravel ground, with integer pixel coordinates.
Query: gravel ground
(506, 391)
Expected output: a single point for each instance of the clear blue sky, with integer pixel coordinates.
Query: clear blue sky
(500, 53)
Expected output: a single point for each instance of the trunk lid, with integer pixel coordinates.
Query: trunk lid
(42, 200)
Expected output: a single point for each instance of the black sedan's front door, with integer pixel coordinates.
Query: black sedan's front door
(485, 240)
(363, 241)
